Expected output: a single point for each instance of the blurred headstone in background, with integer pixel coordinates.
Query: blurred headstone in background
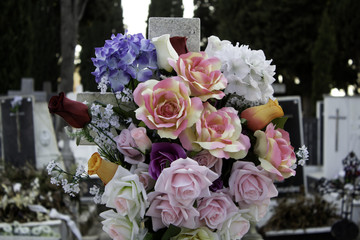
(294, 126)
(28, 135)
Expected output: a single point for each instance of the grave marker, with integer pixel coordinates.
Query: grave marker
(341, 132)
(294, 126)
(27, 88)
(17, 132)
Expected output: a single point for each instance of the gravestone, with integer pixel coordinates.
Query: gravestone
(320, 131)
(183, 27)
(27, 89)
(294, 126)
(341, 132)
(17, 132)
(45, 143)
(311, 139)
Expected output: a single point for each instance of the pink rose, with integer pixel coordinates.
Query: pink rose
(275, 152)
(219, 132)
(141, 140)
(204, 158)
(185, 180)
(234, 228)
(166, 106)
(163, 212)
(201, 73)
(127, 146)
(216, 209)
(250, 184)
(142, 170)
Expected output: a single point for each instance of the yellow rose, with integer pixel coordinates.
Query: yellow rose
(103, 168)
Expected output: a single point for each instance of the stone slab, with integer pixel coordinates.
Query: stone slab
(183, 27)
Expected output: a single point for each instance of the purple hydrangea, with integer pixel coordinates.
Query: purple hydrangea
(123, 58)
(162, 154)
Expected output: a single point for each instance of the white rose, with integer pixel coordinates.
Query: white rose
(257, 212)
(126, 194)
(120, 227)
(164, 50)
(234, 228)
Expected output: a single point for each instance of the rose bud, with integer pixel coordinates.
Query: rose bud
(260, 116)
(179, 44)
(164, 50)
(103, 168)
(74, 113)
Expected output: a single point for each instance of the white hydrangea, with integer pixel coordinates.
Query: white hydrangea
(248, 72)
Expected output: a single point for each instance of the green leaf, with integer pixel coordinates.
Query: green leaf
(148, 236)
(172, 231)
(280, 122)
(141, 124)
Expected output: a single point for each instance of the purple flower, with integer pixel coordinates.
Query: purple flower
(124, 57)
(217, 185)
(161, 155)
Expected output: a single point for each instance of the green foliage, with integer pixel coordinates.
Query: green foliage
(100, 20)
(323, 58)
(30, 42)
(166, 8)
(172, 231)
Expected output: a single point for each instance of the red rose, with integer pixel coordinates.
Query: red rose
(179, 44)
(74, 113)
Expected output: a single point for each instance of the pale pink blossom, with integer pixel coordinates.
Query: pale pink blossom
(126, 144)
(141, 139)
(250, 184)
(163, 212)
(204, 158)
(185, 180)
(275, 151)
(216, 209)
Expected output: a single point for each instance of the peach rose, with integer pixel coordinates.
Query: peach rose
(201, 73)
(219, 132)
(166, 106)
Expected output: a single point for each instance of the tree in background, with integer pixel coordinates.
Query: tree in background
(285, 30)
(71, 12)
(205, 10)
(323, 58)
(346, 19)
(165, 8)
(30, 42)
(100, 20)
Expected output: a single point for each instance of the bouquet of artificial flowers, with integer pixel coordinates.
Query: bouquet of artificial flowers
(193, 145)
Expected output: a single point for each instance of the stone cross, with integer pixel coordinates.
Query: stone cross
(27, 88)
(337, 118)
(183, 27)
